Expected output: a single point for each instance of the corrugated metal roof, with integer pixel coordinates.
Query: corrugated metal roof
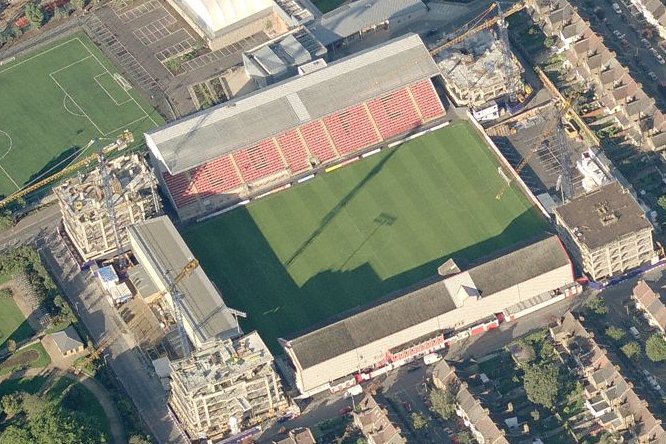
(204, 308)
(414, 306)
(361, 14)
(239, 123)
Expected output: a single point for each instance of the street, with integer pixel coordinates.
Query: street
(123, 356)
(31, 227)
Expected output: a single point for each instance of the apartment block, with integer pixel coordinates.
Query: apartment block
(226, 386)
(606, 231)
(85, 211)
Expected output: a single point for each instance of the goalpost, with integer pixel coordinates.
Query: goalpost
(122, 81)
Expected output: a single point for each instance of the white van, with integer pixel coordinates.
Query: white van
(616, 8)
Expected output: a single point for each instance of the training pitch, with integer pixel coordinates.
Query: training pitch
(54, 101)
(348, 237)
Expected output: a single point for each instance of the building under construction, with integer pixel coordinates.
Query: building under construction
(475, 70)
(226, 386)
(88, 210)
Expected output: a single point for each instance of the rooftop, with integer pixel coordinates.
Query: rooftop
(352, 17)
(426, 301)
(219, 360)
(167, 254)
(244, 121)
(67, 339)
(216, 15)
(603, 215)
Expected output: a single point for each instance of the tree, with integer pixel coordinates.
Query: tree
(464, 437)
(662, 202)
(6, 221)
(541, 384)
(442, 403)
(615, 333)
(138, 439)
(12, 404)
(655, 348)
(631, 349)
(535, 414)
(597, 305)
(34, 15)
(15, 435)
(11, 345)
(419, 421)
(79, 4)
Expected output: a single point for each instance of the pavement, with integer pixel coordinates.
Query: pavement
(31, 227)
(126, 360)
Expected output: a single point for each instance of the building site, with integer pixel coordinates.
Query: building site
(226, 386)
(97, 207)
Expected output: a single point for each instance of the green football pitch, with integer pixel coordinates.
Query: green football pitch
(54, 101)
(348, 237)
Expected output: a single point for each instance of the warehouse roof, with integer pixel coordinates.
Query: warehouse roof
(167, 253)
(425, 301)
(217, 15)
(603, 215)
(239, 123)
(353, 17)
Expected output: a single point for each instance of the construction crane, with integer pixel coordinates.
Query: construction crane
(489, 23)
(509, 72)
(564, 157)
(121, 143)
(177, 297)
(108, 199)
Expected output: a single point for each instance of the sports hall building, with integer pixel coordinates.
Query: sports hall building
(427, 317)
(259, 142)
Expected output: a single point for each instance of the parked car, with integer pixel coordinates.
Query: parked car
(652, 76)
(660, 59)
(616, 8)
(646, 43)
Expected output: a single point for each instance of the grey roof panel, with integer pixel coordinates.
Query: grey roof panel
(269, 60)
(203, 306)
(293, 51)
(67, 339)
(361, 14)
(425, 301)
(238, 123)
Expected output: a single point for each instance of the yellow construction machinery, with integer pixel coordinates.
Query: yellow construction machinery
(97, 352)
(121, 143)
(489, 23)
(564, 108)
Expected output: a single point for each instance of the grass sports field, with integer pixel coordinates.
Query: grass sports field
(353, 235)
(55, 101)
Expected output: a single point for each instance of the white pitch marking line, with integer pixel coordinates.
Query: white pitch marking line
(10, 177)
(74, 101)
(133, 99)
(11, 144)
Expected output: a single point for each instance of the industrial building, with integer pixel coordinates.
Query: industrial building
(428, 316)
(222, 23)
(161, 254)
(474, 70)
(256, 143)
(226, 386)
(354, 20)
(279, 59)
(606, 231)
(85, 210)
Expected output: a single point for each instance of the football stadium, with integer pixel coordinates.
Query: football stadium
(347, 237)
(54, 101)
(355, 223)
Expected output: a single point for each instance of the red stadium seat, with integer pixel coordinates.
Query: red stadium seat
(427, 99)
(318, 144)
(181, 188)
(394, 113)
(259, 161)
(294, 151)
(351, 130)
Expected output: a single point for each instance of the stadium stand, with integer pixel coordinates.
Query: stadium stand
(425, 317)
(249, 145)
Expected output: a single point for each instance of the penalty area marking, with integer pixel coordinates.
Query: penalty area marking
(9, 146)
(64, 105)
